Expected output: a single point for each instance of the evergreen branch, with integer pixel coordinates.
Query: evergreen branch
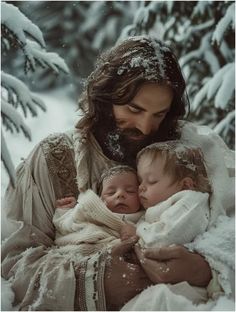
(16, 27)
(9, 113)
(226, 122)
(220, 87)
(18, 24)
(23, 95)
(47, 59)
(224, 23)
(7, 161)
(7, 124)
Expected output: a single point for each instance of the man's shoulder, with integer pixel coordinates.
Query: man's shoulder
(58, 147)
(57, 139)
(58, 152)
(188, 126)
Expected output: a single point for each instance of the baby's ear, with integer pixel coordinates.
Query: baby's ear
(188, 184)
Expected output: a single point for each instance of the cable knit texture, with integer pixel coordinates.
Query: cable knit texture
(90, 224)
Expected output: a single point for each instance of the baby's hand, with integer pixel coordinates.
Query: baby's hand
(127, 230)
(66, 202)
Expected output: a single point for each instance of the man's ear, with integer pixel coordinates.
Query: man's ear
(188, 184)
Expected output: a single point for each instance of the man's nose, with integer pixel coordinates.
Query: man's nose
(145, 125)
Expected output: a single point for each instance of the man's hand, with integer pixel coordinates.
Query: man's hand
(174, 264)
(66, 202)
(123, 280)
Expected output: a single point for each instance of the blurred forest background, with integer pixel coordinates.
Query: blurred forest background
(202, 34)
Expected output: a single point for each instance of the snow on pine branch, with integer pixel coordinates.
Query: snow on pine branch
(18, 31)
(224, 24)
(204, 52)
(220, 86)
(13, 117)
(142, 16)
(7, 161)
(226, 124)
(19, 24)
(225, 50)
(227, 86)
(200, 8)
(19, 94)
(46, 59)
(16, 27)
(189, 30)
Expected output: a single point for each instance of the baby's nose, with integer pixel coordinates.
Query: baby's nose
(141, 188)
(120, 194)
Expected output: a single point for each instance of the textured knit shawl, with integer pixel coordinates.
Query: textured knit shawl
(90, 224)
(177, 220)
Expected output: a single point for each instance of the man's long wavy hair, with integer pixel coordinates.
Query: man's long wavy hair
(115, 81)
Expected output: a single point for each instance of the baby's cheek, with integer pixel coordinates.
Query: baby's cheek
(151, 197)
(104, 200)
(108, 203)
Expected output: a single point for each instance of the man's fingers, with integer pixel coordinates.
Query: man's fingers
(124, 246)
(66, 202)
(164, 253)
(66, 199)
(69, 199)
(140, 254)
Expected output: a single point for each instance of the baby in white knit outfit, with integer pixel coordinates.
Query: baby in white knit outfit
(174, 190)
(96, 222)
(118, 189)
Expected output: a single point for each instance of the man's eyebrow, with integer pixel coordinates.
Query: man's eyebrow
(144, 110)
(165, 110)
(137, 106)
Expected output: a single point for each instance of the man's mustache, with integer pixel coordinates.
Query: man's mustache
(132, 132)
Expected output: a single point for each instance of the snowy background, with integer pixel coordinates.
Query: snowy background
(60, 116)
(50, 47)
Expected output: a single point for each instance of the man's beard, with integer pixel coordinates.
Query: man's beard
(123, 144)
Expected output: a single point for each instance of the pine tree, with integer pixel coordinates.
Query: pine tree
(80, 30)
(16, 30)
(202, 36)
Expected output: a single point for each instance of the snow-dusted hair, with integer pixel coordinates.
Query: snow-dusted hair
(180, 161)
(120, 73)
(113, 171)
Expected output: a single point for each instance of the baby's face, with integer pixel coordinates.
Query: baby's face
(155, 185)
(120, 193)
